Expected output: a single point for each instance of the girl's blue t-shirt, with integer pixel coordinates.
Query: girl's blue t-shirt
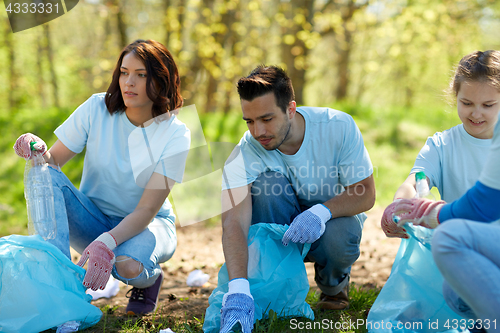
(453, 161)
(120, 157)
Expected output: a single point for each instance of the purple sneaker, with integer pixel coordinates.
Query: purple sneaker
(143, 301)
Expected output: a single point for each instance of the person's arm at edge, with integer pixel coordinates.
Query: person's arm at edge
(236, 220)
(357, 198)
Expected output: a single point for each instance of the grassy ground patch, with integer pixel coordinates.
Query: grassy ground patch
(349, 320)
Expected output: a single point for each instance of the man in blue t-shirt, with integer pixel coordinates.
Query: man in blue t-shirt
(305, 167)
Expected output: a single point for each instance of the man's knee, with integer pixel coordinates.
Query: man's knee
(341, 241)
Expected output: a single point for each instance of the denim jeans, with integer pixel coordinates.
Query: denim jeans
(274, 201)
(468, 255)
(79, 222)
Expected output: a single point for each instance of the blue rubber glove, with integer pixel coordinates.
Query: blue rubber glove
(237, 308)
(308, 226)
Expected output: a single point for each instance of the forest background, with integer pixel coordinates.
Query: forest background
(385, 62)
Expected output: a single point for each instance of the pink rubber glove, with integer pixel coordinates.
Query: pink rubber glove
(101, 260)
(22, 146)
(419, 211)
(390, 227)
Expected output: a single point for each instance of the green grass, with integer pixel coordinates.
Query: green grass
(361, 299)
(351, 320)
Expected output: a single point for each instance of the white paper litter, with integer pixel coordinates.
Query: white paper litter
(197, 278)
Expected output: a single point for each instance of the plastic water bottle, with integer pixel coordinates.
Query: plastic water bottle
(421, 234)
(422, 186)
(39, 198)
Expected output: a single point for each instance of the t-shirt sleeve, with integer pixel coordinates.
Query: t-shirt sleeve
(429, 161)
(354, 162)
(242, 167)
(73, 133)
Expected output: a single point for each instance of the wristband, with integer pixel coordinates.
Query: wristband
(433, 219)
(108, 240)
(239, 286)
(322, 212)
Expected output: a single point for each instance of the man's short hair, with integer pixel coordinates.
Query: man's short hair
(266, 79)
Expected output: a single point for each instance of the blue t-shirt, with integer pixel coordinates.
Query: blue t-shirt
(452, 160)
(482, 201)
(120, 156)
(331, 157)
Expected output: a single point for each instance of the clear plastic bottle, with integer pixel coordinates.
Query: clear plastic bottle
(39, 198)
(422, 186)
(422, 234)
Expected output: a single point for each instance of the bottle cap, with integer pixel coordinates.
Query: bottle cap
(420, 175)
(32, 145)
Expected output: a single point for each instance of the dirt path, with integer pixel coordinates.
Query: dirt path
(199, 247)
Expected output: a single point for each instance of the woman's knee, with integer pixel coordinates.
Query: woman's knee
(127, 267)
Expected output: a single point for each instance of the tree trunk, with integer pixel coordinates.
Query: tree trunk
(291, 53)
(11, 65)
(120, 24)
(344, 49)
(40, 80)
(226, 41)
(50, 59)
(344, 54)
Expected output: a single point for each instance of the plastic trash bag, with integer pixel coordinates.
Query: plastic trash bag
(277, 276)
(412, 298)
(40, 288)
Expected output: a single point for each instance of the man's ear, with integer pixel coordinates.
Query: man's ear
(292, 109)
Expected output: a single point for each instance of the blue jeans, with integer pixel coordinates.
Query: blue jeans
(468, 255)
(79, 222)
(274, 201)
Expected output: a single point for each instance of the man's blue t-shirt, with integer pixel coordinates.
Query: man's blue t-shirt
(331, 157)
